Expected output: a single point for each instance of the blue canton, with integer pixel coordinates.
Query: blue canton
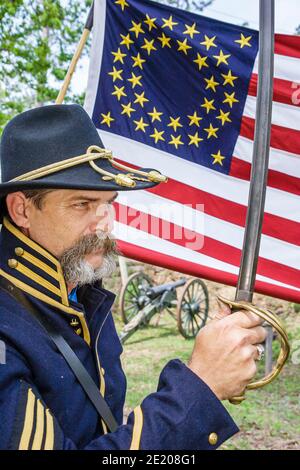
(174, 80)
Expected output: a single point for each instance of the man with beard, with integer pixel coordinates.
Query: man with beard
(58, 185)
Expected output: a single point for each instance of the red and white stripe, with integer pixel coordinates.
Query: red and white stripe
(224, 197)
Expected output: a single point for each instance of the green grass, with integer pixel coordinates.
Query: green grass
(268, 418)
(145, 355)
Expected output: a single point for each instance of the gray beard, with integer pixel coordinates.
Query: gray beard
(78, 271)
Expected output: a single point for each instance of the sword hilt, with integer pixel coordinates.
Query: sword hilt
(276, 323)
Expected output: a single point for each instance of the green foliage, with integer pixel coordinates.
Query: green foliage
(37, 41)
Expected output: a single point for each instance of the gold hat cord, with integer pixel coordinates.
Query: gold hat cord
(93, 153)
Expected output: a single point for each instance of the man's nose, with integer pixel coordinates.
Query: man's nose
(104, 220)
(99, 226)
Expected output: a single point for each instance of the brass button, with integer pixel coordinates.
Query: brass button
(102, 371)
(79, 331)
(12, 263)
(74, 322)
(19, 251)
(213, 438)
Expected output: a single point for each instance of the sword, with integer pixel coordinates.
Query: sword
(257, 194)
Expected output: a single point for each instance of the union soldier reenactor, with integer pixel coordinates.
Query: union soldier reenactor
(61, 352)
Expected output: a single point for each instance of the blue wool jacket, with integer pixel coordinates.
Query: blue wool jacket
(42, 406)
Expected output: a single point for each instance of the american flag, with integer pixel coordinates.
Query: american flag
(176, 91)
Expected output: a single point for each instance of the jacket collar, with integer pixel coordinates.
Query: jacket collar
(33, 267)
(38, 273)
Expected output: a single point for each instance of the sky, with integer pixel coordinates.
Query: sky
(287, 18)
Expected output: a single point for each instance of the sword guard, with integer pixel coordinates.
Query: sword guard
(276, 323)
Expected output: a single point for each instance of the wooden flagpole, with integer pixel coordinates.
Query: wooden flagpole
(84, 37)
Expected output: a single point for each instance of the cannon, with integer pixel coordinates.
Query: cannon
(140, 300)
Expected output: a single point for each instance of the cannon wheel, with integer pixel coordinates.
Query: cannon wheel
(192, 310)
(130, 297)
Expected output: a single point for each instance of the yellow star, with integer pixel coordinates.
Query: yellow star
(201, 61)
(155, 115)
(149, 45)
(165, 41)
(176, 141)
(194, 119)
(230, 99)
(218, 158)
(119, 56)
(244, 41)
(211, 83)
(122, 3)
(194, 139)
(127, 109)
(211, 131)
(116, 74)
(119, 92)
(138, 61)
(222, 58)
(157, 135)
(169, 23)
(229, 78)
(183, 46)
(107, 119)
(191, 30)
(150, 22)
(126, 40)
(136, 28)
(208, 105)
(224, 117)
(140, 98)
(140, 125)
(209, 42)
(174, 123)
(135, 80)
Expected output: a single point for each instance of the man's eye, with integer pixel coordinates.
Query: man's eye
(81, 205)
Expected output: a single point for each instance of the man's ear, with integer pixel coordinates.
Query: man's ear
(17, 206)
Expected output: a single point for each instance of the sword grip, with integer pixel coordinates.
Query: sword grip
(276, 323)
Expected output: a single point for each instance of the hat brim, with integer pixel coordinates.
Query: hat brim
(82, 177)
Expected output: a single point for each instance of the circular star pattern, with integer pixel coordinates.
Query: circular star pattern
(179, 131)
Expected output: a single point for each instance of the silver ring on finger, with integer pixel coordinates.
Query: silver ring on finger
(260, 351)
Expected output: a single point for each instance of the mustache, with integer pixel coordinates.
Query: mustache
(91, 243)
(77, 271)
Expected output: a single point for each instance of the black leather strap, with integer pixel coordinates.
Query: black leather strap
(71, 358)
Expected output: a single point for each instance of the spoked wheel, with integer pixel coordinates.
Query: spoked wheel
(133, 296)
(192, 310)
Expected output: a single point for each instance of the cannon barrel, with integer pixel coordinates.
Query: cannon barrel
(153, 292)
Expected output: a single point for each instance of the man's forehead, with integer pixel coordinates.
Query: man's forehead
(100, 196)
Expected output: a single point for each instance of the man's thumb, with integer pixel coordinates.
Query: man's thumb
(223, 311)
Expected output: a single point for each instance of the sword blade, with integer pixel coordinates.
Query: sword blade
(260, 159)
